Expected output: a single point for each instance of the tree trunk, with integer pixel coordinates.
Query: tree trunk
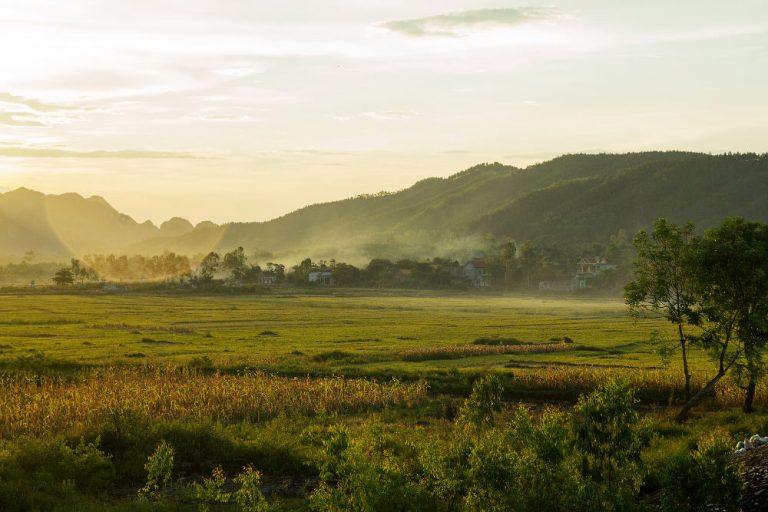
(698, 397)
(685, 363)
(749, 396)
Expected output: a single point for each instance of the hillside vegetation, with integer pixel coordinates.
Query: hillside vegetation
(570, 198)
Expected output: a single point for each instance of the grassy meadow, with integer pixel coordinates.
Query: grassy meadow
(373, 329)
(265, 379)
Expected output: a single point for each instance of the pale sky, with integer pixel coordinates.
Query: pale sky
(248, 109)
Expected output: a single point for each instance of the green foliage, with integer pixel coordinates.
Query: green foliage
(42, 473)
(368, 477)
(587, 461)
(608, 437)
(208, 267)
(211, 490)
(484, 402)
(159, 468)
(523, 466)
(249, 497)
(236, 263)
(63, 277)
(664, 281)
(663, 273)
(706, 478)
(733, 277)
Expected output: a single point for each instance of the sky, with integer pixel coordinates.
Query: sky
(244, 110)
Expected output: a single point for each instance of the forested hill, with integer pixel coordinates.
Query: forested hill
(571, 198)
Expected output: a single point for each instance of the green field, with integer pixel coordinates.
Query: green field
(266, 379)
(374, 328)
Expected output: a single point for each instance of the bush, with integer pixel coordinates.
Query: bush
(211, 490)
(159, 469)
(249, 497)
(45, 473)
(484, 402)
(703, 479)
(607, 439)
(364, 477)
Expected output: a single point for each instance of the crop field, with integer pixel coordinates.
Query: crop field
(264, 379)
(379, 335)
(351, 329)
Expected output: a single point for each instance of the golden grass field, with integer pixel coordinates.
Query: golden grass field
(123, 350)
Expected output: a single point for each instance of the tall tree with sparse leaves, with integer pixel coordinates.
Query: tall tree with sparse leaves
(663, 281)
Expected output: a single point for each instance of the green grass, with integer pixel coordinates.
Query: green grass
(372, 329)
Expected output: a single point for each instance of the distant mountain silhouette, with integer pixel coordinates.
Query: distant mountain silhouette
(570, 198)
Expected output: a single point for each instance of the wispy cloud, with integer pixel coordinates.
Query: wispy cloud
(18, 119)
(38, 152)
(24, 111)
(32, 103)
(452, 24)
(387, 115)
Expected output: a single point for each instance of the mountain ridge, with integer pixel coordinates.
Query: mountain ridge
(576, 197)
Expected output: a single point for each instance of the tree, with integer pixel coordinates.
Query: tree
(663, 281)
(302, 270)
(81, 272)
(209, 266)
(508, 251)
(63, 276)
(608, 437)
(733, 272)
(530, 261)
(278, 269)
(345, 274)
(731, 276)
(237, 264)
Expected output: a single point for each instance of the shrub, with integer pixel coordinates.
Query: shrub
(159, 469)
(211, 490)
(44, 473)
(249, 497)
(484, 402)
(364, 477)
(704, 479)
(607, 438)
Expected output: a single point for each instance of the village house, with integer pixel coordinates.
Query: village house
(267, 278)
(587, 269)
(404, 275)
(476, 273)
(324, 278)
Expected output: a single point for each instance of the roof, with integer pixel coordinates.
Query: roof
(477, 263)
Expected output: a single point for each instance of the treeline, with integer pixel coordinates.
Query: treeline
(512, 265)
(436, 273)
(139, 268)
(506, 265)
(234, 268)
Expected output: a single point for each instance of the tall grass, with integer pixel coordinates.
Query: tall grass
(34, 405)
(656, 385)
